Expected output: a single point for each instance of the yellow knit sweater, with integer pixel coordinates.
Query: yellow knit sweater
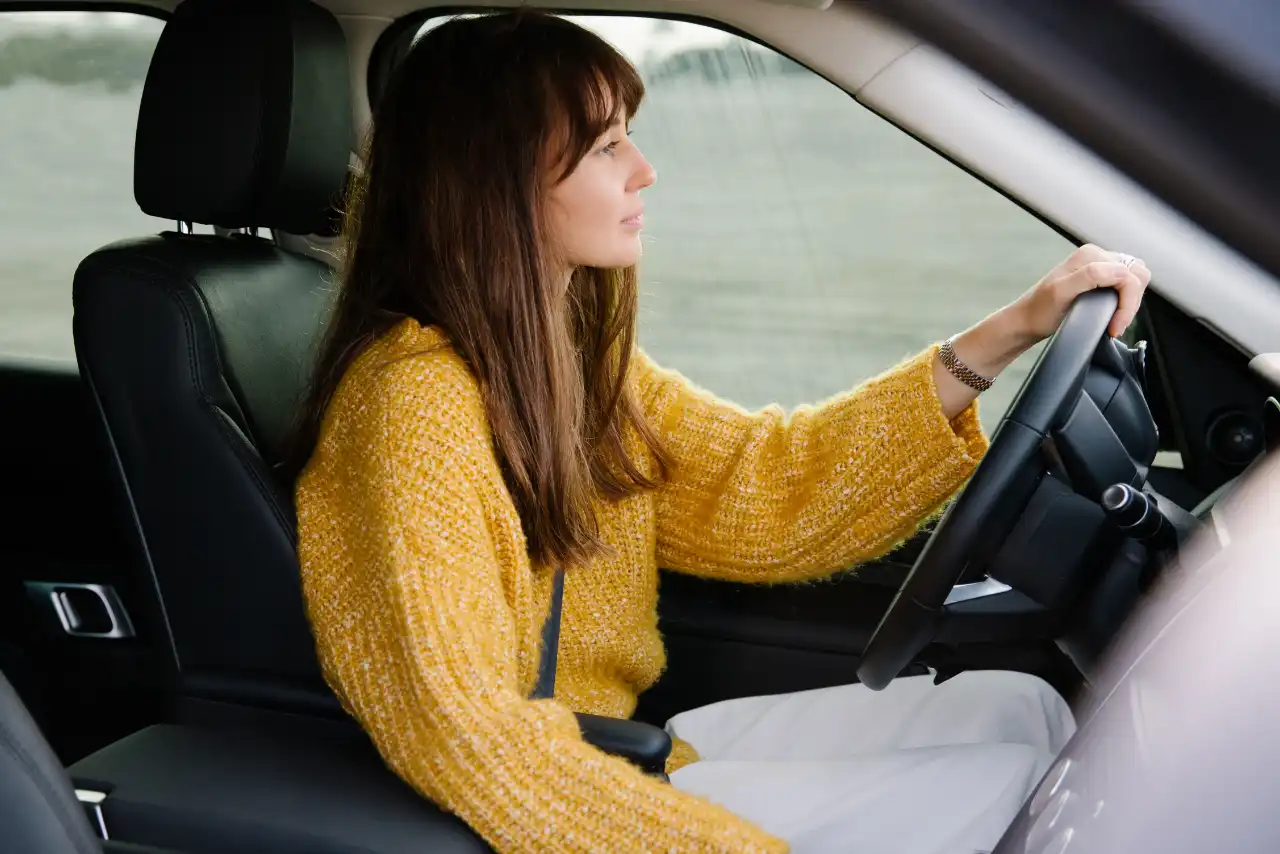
(428, 612)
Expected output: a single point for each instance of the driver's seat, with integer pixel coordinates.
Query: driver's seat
(195, 349)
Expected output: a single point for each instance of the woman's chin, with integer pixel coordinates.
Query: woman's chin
(616, 262)
(616, 257)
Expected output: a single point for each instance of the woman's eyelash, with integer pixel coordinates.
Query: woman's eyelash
(610, 147)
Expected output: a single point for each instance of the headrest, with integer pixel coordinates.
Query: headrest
(246, 116)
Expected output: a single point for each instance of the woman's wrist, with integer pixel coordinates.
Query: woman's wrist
(986, 349)
(992, 345)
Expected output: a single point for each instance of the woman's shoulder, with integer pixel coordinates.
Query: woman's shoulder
(411, 354)
(408, 379)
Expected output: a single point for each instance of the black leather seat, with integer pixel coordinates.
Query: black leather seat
(195, 351)
(195, 348)
(38, 807)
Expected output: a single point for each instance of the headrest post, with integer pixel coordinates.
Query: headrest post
(185, 227)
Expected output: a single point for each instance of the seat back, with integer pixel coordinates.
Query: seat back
(196, 349)
(38, 807)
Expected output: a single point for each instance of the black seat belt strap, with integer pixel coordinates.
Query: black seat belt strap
(546, 685)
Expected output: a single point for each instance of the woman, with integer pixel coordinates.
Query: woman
(481, 417)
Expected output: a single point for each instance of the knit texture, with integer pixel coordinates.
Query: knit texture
(427, 609)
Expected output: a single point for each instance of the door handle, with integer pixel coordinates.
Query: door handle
(83, 610)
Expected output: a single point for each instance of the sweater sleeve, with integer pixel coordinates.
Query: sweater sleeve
(771, 497)
(416, 635)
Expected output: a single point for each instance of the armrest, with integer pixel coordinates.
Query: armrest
(642, 744)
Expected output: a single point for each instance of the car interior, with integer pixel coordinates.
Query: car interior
(159, 690)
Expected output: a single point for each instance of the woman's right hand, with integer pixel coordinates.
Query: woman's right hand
(992, 345)
(1041, 309)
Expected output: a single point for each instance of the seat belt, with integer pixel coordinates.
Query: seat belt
(545, 688)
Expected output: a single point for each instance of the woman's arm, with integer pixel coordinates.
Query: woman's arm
(414, 632)
(770, 497)
(766, 497)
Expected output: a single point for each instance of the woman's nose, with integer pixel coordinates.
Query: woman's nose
(646, 175)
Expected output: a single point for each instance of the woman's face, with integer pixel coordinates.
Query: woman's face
(595, 215)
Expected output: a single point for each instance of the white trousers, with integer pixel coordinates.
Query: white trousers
(916, 768)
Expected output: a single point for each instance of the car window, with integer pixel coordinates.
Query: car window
(795, 242)
(70, 86)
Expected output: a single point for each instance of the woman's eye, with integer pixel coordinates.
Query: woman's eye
(610, 148)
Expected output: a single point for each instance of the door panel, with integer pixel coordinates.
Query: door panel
(61, 528)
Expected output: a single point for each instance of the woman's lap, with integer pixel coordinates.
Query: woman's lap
(915, 768)
(975, 707)
(926, 800)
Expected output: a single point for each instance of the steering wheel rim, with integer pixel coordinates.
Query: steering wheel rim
(994, 494)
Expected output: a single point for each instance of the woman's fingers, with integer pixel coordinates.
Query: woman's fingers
(1084, 255)
(1131, 290)
(1095, 274)
(1130, 283)
(1139, 269)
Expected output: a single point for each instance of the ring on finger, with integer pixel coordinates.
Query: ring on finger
(1127, 260)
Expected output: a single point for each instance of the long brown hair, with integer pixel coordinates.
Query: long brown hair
(445, 225)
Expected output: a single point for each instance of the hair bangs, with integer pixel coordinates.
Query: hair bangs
(590, 93)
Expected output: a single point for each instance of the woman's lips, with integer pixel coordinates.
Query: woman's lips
(636, 221)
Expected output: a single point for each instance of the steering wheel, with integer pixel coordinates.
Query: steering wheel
(995, 495)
